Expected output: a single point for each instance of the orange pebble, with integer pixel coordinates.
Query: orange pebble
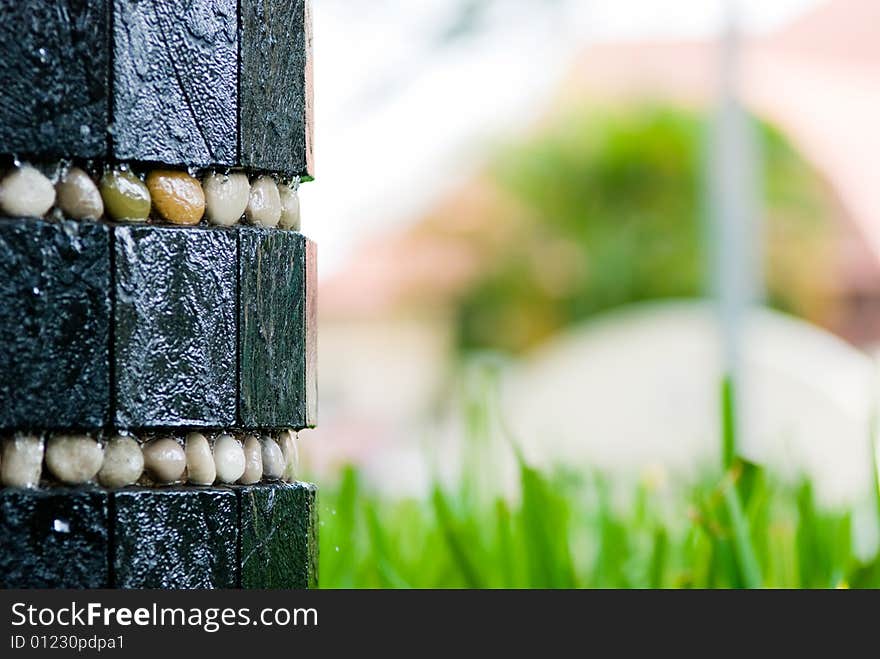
(177, 196)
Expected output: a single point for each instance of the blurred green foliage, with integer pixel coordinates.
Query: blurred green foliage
(612, 215)
(565, 533)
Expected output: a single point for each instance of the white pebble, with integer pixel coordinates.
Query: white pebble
(273, 459)
(200, 468)
(26, 192)
(264, 203)
(226, 197)
(253, 461)
(123, 462)
(289, 208)
(228, 459)
(22, 461)
(74, 459)
(165, 460)
(287, 441)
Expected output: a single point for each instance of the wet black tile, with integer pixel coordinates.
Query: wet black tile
(54, 324)
(54, 77)
(54, 538)
(175, 334)
(277, 348)
(276, 86)
(175, 83)
(279, 536)
(177, 538)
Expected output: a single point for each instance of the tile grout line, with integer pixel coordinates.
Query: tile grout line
(238, 37)
(238, 312)
(111, 77)
(111, 333)
(111, 539)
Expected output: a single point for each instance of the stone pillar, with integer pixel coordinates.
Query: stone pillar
(157, 298)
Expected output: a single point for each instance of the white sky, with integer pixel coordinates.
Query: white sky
(401, 117)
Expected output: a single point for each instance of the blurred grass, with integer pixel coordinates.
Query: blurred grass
(737, 527)
(741, 530)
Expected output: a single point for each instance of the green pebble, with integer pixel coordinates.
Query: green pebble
(125, 196)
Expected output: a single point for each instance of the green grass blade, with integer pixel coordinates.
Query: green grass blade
(385, 557)
(545, 532)
(338, 536)
(750, 570)
(505, 554)
(658, 558)
(455, 540)
(728, 423)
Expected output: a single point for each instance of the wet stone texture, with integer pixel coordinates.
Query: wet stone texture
(176, 538)
(276, 329)
(276, 86)
(53, 538)
(54, 77)
(54, 324)
(175, 81)
(279, 542)
(175, 336)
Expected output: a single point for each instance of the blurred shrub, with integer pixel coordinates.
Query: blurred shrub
(612, 215)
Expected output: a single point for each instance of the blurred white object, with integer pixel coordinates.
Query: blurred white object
(640, 388)
(634, 391)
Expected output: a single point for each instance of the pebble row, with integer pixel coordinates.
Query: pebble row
(165, 195)
(123, 460)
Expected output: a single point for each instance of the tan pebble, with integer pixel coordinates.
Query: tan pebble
(78, 196)
(264, 203)
(289, 208)
(26, 192)
(228, 459)
(226, 197)
(253, 461)
(123, 462)
(22, 461)
(273, 459)
(200, 468)
(74, 459)
(177, 196)
(164, 459)
(287, 441)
